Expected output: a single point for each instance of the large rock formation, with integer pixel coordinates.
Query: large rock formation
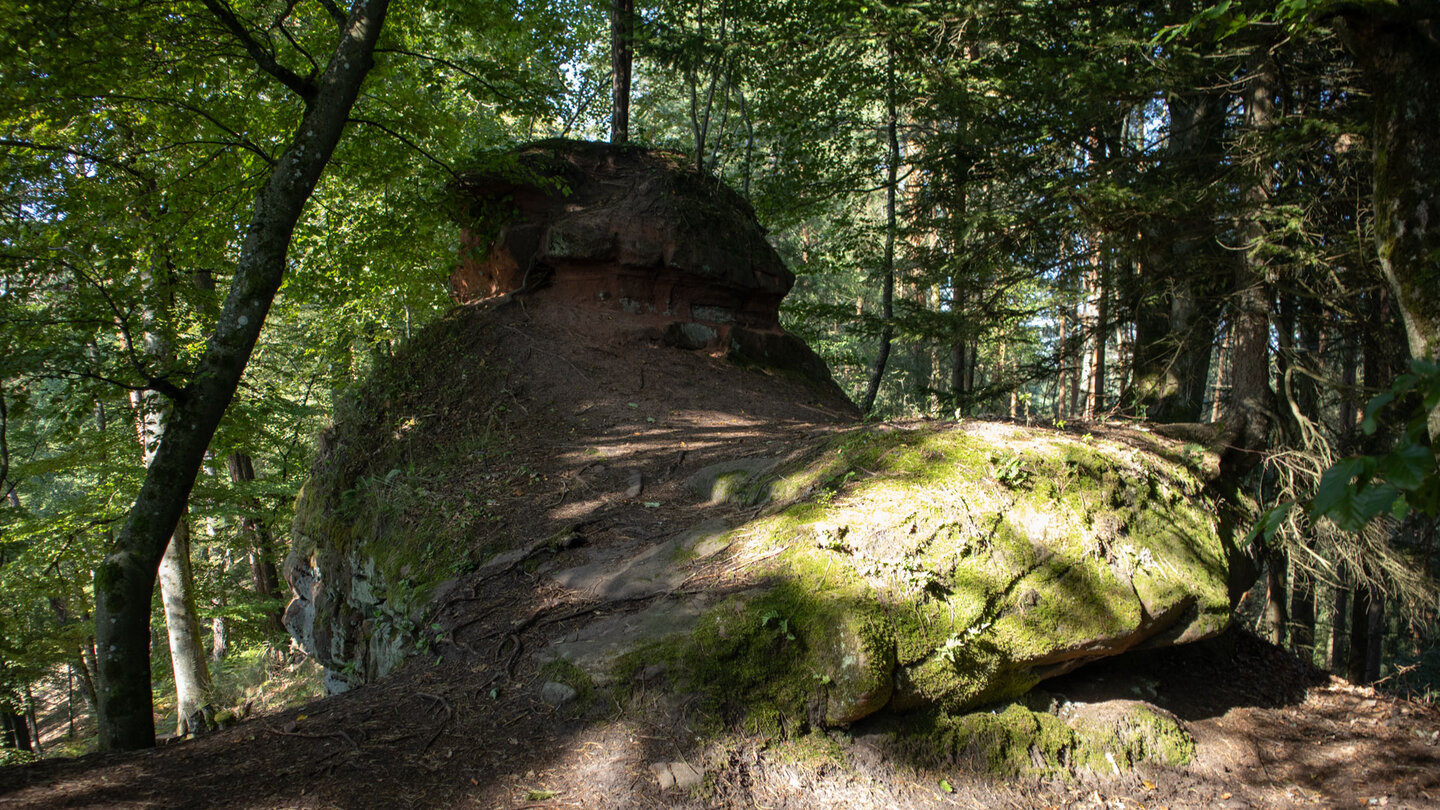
(630, 231)
(587, 442)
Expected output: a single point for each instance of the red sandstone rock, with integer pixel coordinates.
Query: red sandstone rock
(635, 231)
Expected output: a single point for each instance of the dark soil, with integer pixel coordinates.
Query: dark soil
(472, 730)
(1270, 734)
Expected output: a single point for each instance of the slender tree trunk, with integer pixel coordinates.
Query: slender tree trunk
(125, 579)
(1221, 392)
(1356, 668)
(887, 291)
(1276, 616)
(219, 638)
(622, 56)
(1302, 615)
(1339, 613)
(263, 574)
(1062, 387)
(187, 653)
(84, 666)
(14, 731)
(34, 723)
(1095, 405)
(1374, 641)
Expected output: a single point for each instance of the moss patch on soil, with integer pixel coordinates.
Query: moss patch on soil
(1015, 740)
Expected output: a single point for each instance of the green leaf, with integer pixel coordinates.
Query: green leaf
(1406, 466)
(1373, 409)
(1270, 522)
(1335, 486)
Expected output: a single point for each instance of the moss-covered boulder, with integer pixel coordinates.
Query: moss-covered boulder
(1064, 741)
(953, 567)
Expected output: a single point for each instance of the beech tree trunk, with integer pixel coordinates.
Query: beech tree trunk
(182, 623)
(125, 579)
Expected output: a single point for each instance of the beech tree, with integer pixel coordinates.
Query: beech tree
(89, 65)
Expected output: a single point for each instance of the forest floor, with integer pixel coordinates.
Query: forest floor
(614, 424)
(1269, 732)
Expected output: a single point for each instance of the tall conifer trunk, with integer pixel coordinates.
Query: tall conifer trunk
(1249, 405)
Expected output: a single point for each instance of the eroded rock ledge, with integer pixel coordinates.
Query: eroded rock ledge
(633, 231)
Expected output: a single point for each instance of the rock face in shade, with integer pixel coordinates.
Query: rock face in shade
(635, 231)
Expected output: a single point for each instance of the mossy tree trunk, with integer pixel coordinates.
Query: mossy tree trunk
(1396, 43)
(125, 579)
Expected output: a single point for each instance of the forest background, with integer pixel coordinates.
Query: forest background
(1052, 212)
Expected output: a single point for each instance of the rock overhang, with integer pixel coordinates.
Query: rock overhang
(623, 228)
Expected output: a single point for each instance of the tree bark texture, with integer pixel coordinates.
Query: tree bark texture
(1339, 616)
(1249, 404)
(622, 57)
(1399, 47)
(125, 579)
(1276, 614)
(1302, 615)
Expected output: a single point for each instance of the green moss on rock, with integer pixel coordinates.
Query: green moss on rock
(394, 503)
(1014, 740)
(957, 567)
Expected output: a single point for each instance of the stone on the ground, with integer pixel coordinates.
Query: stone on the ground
(557, 694)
